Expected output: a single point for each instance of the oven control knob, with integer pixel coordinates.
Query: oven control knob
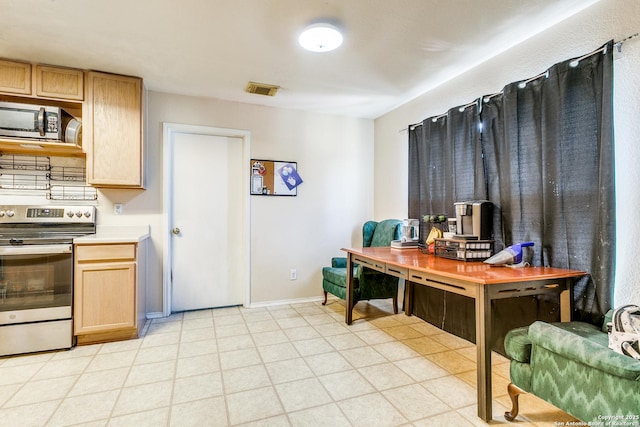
(78, 214)
(87, 214)
(1, 214)
(10, 213)
(70, 214)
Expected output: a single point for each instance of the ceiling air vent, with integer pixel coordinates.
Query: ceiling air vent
(262, 89)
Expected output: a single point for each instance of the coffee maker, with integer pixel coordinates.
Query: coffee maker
(410, 230)
(410, 235)
(474, 219)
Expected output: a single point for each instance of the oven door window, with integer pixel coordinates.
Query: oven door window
(35, 281)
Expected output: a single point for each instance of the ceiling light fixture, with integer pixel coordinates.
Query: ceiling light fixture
(320, 37)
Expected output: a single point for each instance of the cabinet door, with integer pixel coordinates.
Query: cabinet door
(105, 297)
(56, 82)
(112, 130)
(15, 77)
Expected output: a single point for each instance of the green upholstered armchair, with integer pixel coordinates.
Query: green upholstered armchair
(367, 283)
(571, 366)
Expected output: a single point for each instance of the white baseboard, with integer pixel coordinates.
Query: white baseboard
(285, 302)
(159, 314)
(155, 315)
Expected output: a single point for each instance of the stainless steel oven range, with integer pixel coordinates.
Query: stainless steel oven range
(36, 275)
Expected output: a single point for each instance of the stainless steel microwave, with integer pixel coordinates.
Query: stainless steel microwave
(38, 122)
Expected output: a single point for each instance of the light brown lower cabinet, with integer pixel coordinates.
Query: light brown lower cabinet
(108, 292)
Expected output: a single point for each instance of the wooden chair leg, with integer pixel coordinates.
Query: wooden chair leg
(325, 298)
(395, 305)
(514, 391)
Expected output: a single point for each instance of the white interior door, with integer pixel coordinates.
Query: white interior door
(206, 221)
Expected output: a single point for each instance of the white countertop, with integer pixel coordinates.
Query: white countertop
(115, 234)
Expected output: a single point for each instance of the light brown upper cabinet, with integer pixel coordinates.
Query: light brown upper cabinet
(108, 105)
(25, 83)
(50, 82)
(61, 83)
(15, 77)
(112, 130)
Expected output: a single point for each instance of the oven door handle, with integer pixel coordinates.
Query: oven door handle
(36, 250)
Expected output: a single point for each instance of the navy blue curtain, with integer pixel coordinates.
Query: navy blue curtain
(445, 166)
(545, 158)
(445, 162)
(550, 158)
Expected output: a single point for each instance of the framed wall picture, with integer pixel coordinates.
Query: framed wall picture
(274, 178)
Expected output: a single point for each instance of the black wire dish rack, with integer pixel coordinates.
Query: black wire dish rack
(37, 173)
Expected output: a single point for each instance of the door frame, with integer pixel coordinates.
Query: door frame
(169, 130)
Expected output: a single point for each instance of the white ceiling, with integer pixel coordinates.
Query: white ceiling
(394, 50)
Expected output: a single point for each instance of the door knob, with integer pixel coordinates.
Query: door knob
(176, 230)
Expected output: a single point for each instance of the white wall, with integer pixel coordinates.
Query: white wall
(335, 157)
(580, 34)
(345, 184)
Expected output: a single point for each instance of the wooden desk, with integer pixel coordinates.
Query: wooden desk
(476, 280)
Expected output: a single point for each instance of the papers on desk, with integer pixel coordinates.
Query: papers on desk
(399, 244)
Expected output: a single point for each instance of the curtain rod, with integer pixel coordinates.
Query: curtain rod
(574, 63)
(618, 44)
(603, 49)
(438, 117)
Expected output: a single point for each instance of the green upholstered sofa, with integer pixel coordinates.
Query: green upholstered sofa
(367, 283)
(571, 366)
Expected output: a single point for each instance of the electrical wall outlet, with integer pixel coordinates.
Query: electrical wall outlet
(117, 208)
(293, 274)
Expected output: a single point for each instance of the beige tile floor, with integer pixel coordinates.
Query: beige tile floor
(289, 365)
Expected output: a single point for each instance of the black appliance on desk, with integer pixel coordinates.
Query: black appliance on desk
(474, 219)
(472, 239)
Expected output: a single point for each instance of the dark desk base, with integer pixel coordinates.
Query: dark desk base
(456, 313)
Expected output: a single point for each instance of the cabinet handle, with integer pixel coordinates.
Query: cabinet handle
(176, 231)
(41, 121)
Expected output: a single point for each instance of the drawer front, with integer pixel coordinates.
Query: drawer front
(418, 277)
(105, 252)
(460, 288)
(396, 271)
(366, 262)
